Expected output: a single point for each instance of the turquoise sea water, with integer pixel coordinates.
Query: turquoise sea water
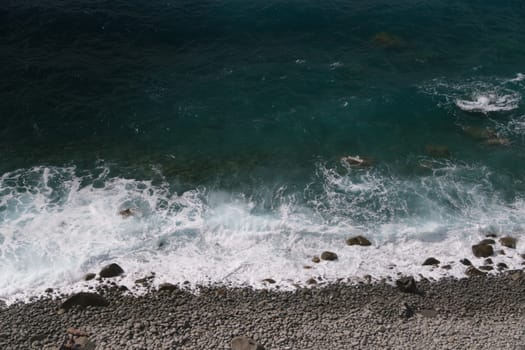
(223, 123)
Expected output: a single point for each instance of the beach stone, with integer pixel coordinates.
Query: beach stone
(508, 241)
(407, 285)
(482, 250)
(89, 276)
(167, 287)
(316, 259)
(465, 262)
(329, 256)
(245, 343)
(111, 270)
(488, 241)
(358, 240)
(83, 343)
(84, 299)
(472, 271)
(431, 261)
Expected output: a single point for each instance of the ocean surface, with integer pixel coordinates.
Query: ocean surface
(222, 125)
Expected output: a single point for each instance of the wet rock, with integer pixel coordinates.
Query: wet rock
(488, 261)
(437, 151)
(431, 261)
(358, 240)
(245, 343)
(111, 270)
(269, 280)
(501, 252)
(488, 241)
(329, 256)
(446, 267)
(84, 299)
(89, 276)
(407, 285)
(311, 281)
(472, 271)
(407, 311)
(169, 287)
(307, 267)
(502, 266)
(389, 41)
(357, 161)
(48, 290)
(508, 241)
(126, 213)
(316, 259)
(482, 250)
(465, 262)
(486, 268)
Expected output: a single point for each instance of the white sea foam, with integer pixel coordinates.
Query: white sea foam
(491, 102)
(56, 225)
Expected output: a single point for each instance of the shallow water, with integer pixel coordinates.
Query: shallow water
(222, 125)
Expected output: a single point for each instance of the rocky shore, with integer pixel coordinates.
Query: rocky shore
(480, 312)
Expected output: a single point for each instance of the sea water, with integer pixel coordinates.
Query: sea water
(221, 125)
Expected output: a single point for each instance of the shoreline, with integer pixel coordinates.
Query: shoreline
(481, 312)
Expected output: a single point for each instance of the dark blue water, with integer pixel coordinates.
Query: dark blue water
(261, 99)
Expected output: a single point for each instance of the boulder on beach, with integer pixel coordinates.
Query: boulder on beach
(431, 261)
(84, 299)
(329, 256)
(358, 240)
(465, 262)
(407, 285)
(245, 343)
(508, 241)
(482, 250)
(111, 270)
(472, 271)
(89, 276)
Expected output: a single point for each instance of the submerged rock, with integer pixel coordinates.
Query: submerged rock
(389, 41)
(479, 133)
(482, 250)
(245, 343)
(84, 299)
(431, 261)
(329, 256)
(437, 151)
(508, 241)
(111, 270)
(358, 240)
(498, 141)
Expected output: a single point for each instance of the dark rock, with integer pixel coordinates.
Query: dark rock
(167, 287)
(472, 271)
(316, 259)
(84, 299)
(245, 343)
(269, 280)
(482, 250)
(501, 252)
(437, 151)
(431, 261)
(407, 311)
(508, 241)
(307, 267)
(465, 262)
(407, 285)
(111, 270)
(49, 290)
(488, 261)
(486, 268)
(488, 241)
(330, 256)
(89, 276)
(126, 213)
(311, 281)
(358, 240)
(446, 267)
(502, 266)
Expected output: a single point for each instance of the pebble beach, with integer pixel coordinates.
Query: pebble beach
(482, 312)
